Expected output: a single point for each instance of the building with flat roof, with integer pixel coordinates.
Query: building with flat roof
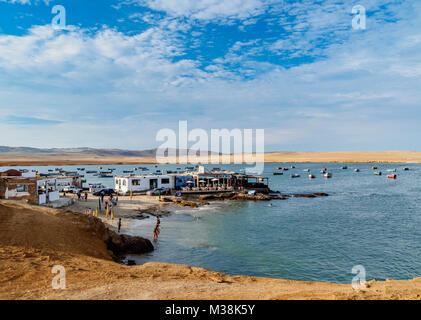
(15, 185)
(140, 184)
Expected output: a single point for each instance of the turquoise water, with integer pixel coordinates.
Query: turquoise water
(367, 220)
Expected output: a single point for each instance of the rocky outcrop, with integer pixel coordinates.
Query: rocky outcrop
(121, 244)
(217, 196)
(260, 196)
(310, 195)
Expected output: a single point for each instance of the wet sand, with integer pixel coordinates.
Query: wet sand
(33, 239)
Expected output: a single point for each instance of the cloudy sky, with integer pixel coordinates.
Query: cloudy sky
(122, 70)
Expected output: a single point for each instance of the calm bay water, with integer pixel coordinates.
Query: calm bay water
(367, 220)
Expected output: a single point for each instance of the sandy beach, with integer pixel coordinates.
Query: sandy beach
(33, 239)
(137, 207)
(290, 157)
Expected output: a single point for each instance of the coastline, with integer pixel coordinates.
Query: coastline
(403, 157)
(33, 240)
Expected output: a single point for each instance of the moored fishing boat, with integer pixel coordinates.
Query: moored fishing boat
(406, 169)
(391, 170)
(295, 175)
(374, 168)
(306, 170)
(105, 176)
(392, 176)
(278, 173)
(312, 176)
(357, 170)
(344, 167)
(378, 173)
(328, 175)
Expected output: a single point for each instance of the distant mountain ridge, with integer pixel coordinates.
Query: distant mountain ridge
(5, 150)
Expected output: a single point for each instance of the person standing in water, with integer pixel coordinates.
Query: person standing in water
(157, 229)
(119, 225)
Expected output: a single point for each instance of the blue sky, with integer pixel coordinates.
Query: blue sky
(122, 70)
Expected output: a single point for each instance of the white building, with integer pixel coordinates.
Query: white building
(137, 184)
(62, 182)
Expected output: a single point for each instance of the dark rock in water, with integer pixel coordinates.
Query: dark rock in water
(310, 195)
(219, 196)
(282, 197)
(304, 196)
(131, 262)
(257, 197)
(122, 244)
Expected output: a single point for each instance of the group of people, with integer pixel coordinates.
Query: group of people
(112, 202)
(79, 195)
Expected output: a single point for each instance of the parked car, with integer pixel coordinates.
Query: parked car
(157, 191)
(104, 192)
(72, 189)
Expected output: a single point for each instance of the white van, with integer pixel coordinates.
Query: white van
(96, 187)
(72, 189)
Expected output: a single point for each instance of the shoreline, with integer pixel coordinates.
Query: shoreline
(398, 157)
(29, 249)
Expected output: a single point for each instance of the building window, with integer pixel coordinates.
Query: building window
(165, 181)
(124, 182)
(135, 183)
(22, 188)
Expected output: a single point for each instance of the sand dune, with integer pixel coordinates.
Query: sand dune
(34, 239)
(81, 159)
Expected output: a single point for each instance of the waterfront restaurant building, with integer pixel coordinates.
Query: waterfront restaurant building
(140, 184)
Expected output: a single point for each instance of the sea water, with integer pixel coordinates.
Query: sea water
(367, 220)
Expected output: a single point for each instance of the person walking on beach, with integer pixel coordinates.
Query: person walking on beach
(78, 195)
(119, 225)
(102, 198)
(158, 221)
(86, 196)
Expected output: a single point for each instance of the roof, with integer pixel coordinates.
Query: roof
(11, 173)
(148, 176)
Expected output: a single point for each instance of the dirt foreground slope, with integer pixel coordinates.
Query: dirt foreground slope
(34, 239)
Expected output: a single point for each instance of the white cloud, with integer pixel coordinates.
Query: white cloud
(125, 88)
(208, 9)
(23, 2)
